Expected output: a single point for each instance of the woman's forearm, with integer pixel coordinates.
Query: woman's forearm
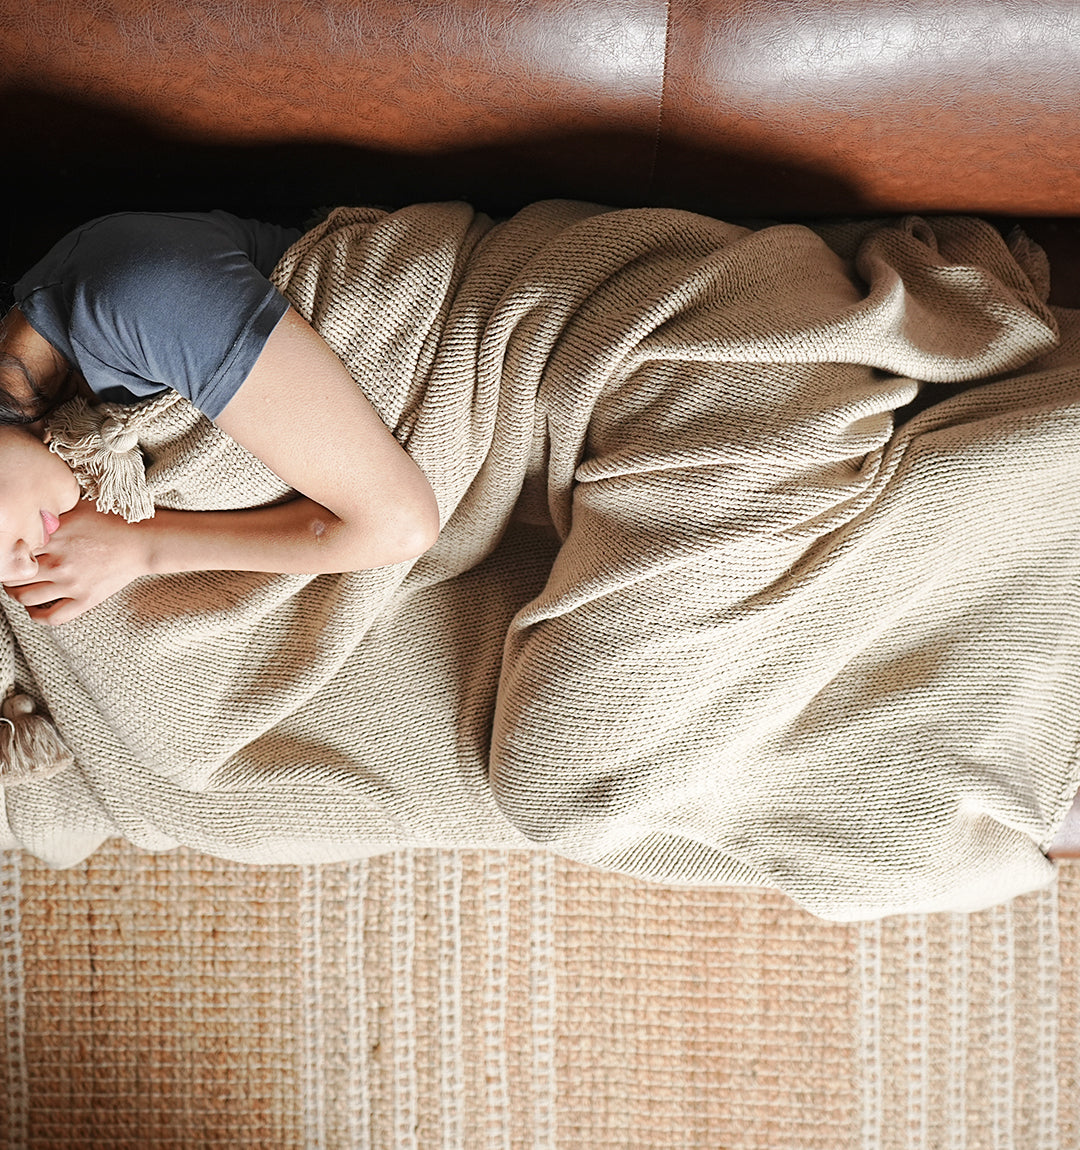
(92, 554)
(299, 536)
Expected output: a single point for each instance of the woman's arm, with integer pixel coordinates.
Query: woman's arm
(367, 503)
(364, 502)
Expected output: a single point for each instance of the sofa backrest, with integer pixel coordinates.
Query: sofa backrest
(740, 107)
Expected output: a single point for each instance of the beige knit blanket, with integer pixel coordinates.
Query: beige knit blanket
(701, 610)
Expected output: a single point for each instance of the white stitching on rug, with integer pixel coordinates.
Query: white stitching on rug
(959, 982)
(542, 997)
(403, 998)
(1049, 985)
(1003, 1025)
(356, 1039)
(918, 1029)
(451, 1079)
(869, 962)
(496, 992)
(12, 1001)
(314, 1050)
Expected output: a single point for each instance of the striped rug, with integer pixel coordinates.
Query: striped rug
(474, 1000)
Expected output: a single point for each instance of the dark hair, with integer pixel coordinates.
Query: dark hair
(31, 402)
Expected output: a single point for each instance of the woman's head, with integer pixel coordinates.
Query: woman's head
(36, 488)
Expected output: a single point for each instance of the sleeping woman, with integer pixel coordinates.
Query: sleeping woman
(131, 304)
(633, 535)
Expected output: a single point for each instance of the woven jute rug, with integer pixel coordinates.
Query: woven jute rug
(474, 1000)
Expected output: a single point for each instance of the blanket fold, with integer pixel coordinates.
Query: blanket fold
(758, 565)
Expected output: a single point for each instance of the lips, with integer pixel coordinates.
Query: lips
(51, 524)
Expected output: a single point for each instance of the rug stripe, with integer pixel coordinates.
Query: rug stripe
(1048, 961)
(451, 1045)
(356, 1038)
(496, 992)
(542, 998)
(314, 1045)
(1068, 1064)
(1003, 1029)
(12, 1001)
(958, 982)
(869, 966)
(403, 1001)
(918, 1034)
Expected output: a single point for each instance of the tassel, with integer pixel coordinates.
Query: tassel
(30, 747)
(103, 452)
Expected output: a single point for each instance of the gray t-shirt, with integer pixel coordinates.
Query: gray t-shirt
(141, 302)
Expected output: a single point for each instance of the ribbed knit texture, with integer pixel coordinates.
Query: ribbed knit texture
(774, 637)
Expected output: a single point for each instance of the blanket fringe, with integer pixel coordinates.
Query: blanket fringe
(30, 747)
(100, 447)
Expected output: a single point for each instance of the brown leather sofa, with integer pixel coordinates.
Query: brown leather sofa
(759, 108)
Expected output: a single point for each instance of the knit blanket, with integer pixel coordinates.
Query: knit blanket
(704, 609)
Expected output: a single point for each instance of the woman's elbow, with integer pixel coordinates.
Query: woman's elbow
(398, 528)
(410, 529)
(418, 529)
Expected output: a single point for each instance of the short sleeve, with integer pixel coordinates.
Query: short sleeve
(142, 302)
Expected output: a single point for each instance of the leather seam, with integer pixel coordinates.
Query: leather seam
(651, 181)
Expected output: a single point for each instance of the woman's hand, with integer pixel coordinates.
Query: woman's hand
(91, 556)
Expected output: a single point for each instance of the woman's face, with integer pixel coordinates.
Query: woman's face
(36, 488)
